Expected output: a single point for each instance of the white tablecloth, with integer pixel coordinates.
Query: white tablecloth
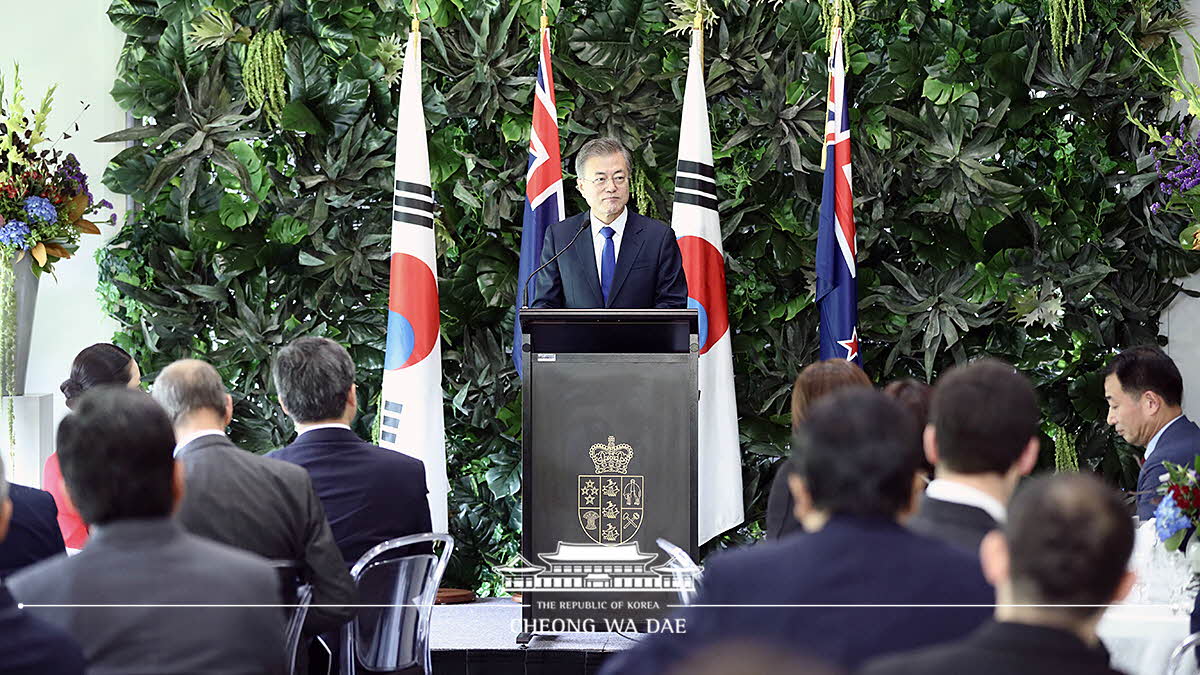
(1140, 638)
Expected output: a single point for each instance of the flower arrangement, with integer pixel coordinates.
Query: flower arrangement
(45, 203)
(1179, 511)
(45, 207)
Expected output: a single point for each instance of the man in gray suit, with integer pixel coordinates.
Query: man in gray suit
(265, 506)
(115, 452)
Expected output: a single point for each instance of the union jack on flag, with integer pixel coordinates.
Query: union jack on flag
(837, 286)
(543, 182)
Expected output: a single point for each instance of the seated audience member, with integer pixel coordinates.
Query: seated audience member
(982, 437)
(370, 494)
(254, 503)
(33, 533)
(28, 645)
(1144, 391)
(915, 396)
(853, 474)
(1067, 542)
(814, 381)
(100, 365)
(116, 455)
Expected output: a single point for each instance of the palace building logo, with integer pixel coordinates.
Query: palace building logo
(610, 501)
(611, 508)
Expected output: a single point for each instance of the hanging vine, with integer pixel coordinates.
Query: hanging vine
(641, 195)
(263, 74)
(1066, 24)
(837, 14)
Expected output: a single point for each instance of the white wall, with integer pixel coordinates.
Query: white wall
(71, 43)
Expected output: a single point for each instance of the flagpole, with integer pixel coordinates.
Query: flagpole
(698, 30)
(416, 21)
(833, 31)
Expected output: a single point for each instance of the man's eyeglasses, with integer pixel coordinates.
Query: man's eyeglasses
(618, 180)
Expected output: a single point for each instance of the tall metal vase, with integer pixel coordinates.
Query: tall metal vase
(26, 286)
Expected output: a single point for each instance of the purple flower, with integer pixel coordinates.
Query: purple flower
(105, 204)
(15, 234)
(40, 209)
(1155, 207)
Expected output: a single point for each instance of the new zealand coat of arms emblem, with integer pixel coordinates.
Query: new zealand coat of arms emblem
(610, 500)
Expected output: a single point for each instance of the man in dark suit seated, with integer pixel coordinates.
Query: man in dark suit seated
(116, 596)
(1144, 391)
(854, 474)
(254, 503)
(28, 645)
(33, 533)
(1067, 542)
(626, 260)
(982, 437)
(370, 494)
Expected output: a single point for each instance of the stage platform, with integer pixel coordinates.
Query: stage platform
(478, 639)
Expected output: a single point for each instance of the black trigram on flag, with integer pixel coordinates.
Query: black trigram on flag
(390, 421)
(696, 184)
(413, 204)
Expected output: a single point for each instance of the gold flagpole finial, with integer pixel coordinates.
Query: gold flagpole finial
(698, 29)
(545, 19)
(416, 21)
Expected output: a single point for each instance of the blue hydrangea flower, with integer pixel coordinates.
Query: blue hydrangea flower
(15, 233)
(40, 209)
(1168, 519)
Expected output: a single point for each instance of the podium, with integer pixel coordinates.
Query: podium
(609, 448)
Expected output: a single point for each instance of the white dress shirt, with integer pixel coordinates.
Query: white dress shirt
(194, 435)
(1154, 441)
(618, 226)
(957, 493)
(302, 429)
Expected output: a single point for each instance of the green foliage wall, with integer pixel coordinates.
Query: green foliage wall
(1001, 201)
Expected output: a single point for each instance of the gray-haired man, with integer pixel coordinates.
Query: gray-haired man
(254, 503)
(628, 260)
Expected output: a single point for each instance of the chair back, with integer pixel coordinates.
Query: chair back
(1183, 658)
(296, 592)
(393, 634)
(685, 572)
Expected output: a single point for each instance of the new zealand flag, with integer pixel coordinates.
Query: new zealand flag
(837, 287)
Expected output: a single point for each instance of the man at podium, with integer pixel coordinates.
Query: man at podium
(609, 256)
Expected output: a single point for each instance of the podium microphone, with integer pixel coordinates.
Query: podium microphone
(586, 223)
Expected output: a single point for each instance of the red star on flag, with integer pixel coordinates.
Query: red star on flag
(851, 346)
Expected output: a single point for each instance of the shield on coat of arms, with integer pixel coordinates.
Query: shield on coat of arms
(611, 507)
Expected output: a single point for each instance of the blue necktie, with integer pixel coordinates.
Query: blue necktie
(608, 261)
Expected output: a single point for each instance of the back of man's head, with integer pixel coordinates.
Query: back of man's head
(313, 376)
(116, 453)
(190, 386)
(984, 414)
(857, 453)
(1069, 539)
(1147, 368)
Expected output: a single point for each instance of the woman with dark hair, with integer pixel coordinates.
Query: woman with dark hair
(815, 381)
(916, 397)
(100, 365)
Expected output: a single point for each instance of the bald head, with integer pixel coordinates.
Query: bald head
(189, 389)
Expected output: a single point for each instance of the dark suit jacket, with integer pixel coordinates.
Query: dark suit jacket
(957, 524)
(781, 522)
(1179, 444)
(33, 533)
(154, 561)
(30, 646)
(649, 272)
(851, 561)
(267, 507)
(370, 494)
(1002, 649)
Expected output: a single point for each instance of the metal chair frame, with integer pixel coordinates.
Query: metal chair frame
(423, 606)
(682, 566)
(1180, 653)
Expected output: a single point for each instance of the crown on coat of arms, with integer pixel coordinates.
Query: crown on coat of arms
(611, 458)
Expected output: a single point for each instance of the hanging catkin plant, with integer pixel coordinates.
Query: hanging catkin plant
(837, 13)
(641, 195)
(262, 73)
(1066, 24)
